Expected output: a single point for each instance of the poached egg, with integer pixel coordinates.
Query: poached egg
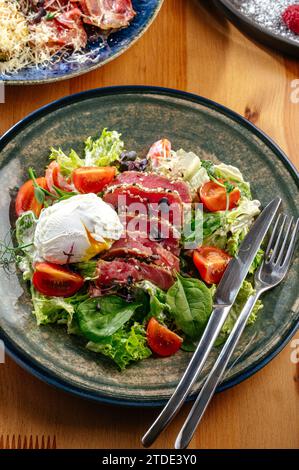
(76, 229)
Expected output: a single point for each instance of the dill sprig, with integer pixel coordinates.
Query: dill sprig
(9, 254)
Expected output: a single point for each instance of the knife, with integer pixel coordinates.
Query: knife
(225, 296)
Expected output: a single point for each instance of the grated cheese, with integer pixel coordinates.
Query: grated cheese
(26, 44)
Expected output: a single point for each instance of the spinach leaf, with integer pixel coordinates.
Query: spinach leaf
(101, 317)
(191, 304)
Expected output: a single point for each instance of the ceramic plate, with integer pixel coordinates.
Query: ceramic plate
(98, 53)
(142, 115)
(277, 40)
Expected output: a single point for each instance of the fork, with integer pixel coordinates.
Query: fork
(272, 271)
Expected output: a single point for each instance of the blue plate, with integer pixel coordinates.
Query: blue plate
(99, 53)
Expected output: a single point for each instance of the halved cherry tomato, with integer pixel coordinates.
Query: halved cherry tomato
(54, 280)
(25, 200)
(161, 340)
(159, 150)
(89, 179)
(213, 196)
(54, 177)
(211, 263)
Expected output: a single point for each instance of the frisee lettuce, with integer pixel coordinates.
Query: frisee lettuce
(123, 347)
(67, 163)
(245, 292)
(55, 309)
(105, 150)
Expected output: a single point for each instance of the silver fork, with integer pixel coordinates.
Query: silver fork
(274, 268)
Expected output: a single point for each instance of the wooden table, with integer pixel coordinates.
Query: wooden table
(192, 49)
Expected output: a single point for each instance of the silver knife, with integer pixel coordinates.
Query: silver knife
(225, 296)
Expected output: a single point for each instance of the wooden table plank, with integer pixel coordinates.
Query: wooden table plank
(191, 48)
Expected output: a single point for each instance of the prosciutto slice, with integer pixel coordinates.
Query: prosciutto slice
(107, 14)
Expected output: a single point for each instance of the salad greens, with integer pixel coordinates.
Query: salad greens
(104, 150)
(67, 163)
(114, 324)
(102, 317)
(125, 346)
(55, 309)
(98, 152)
(191, 304)
(244, 293)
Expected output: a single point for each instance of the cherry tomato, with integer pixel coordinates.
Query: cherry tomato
(213, 196)
(91, 179)
(161, 340)
(26, 201)
(54, 280)
(211, 263)
(54, 177)
(159, 150)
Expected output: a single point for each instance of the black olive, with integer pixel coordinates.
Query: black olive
(128, 156)
(130, 165)
(142, 164)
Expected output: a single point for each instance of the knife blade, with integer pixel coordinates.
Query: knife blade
(225, 296)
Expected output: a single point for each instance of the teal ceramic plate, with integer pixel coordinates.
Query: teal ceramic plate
(142, 115)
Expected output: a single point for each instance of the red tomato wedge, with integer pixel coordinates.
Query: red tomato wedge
(25, 200)
(89, 179)
(161, 340)
(211, 263)
(213, 197)
(159, 150)
(54, 280)
(54, 177)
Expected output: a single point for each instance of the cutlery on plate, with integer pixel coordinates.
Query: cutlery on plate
(27, 442)
(272, 271)
(225, 296)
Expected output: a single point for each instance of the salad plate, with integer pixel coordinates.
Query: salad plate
(142, 115)
(263, 22)
(99, 49)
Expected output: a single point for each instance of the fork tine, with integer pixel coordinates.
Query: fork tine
(274, 239)
(281, 253)
(291, 247)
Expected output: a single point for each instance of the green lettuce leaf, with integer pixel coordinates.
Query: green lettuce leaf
(104, 150)
(245, 292)
(67, 163)
(191, 304)
(124, 346)
(87, 269)
(56, 309)
(235, 224)
(232, 173)
(257, 261)
(155, 304)
(103, 316)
